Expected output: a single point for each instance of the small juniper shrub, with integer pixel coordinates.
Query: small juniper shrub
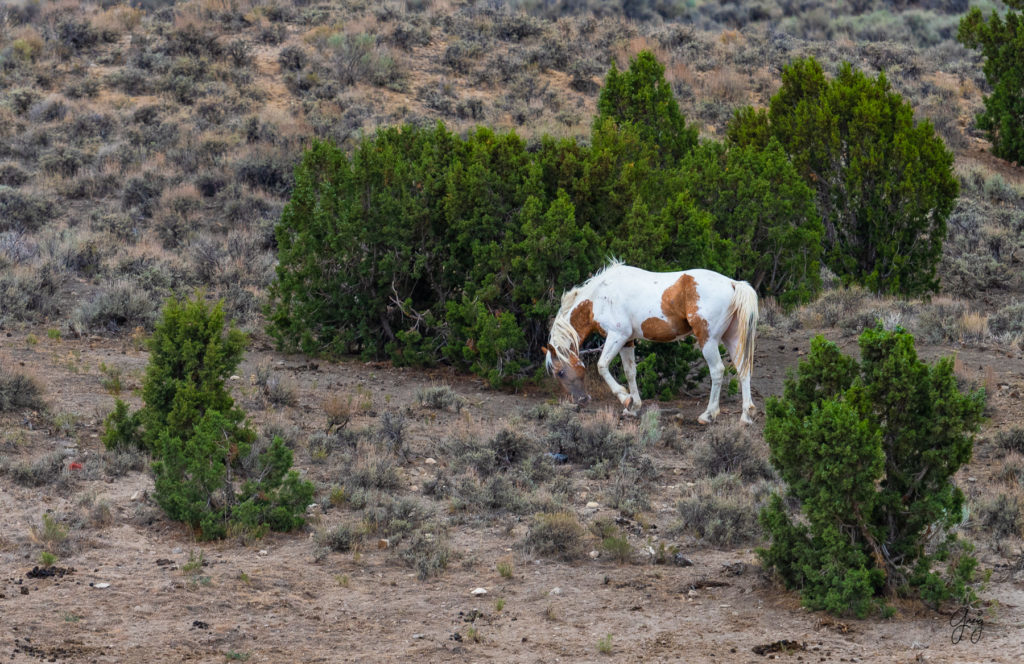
(191, 356)
(840, 428)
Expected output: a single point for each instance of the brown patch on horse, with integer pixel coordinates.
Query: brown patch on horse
(679, 306)
(582, 319)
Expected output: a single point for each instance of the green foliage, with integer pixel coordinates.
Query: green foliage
(884, 185)
(425, 247)
(868, 450)
(209, 473)
(641, 97)
(765, 212)
(1001, 42)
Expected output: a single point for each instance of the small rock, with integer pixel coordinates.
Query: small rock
(262, 552)
(383, 543)
(681, 560)
(101, 586)
(595, 554)
(593, 505)
(176, 549)
(430, 461)
(235, 377)
(555, 591)
(478, 591)
(138, 495)
(418, 636)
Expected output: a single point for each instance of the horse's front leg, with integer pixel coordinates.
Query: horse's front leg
(628, 357)
(612, 345)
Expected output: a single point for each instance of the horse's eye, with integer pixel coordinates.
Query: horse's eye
(561, 373)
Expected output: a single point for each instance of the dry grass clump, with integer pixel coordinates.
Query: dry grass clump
(735, 449)
(557, 535)
(1000, 514)
(721, 511)
(440, 397)
(19, 390)
(947, 319)
(45, 470)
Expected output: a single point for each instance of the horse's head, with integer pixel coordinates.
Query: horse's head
(569, 373)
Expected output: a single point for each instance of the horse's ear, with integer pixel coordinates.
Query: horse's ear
(544, 349)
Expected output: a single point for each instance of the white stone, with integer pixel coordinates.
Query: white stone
(478, 591)
(593, 505)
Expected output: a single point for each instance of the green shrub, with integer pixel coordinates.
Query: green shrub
(208, 472)
(1001, 42)
(884, 184)
(868, 450)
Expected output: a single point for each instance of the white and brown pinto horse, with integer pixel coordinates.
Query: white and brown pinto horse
(624, 303)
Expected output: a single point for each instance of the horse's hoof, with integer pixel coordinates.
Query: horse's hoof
(632, 414)
(704, 419)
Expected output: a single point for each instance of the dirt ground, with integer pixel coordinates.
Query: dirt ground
(126, 595)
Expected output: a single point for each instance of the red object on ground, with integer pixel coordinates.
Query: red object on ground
(74, 465)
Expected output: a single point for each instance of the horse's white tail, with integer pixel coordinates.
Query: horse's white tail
(744, 308)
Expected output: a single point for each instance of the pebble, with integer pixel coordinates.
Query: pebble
(418, 636)
(555, 591)
(478, 591)
(430, 461)
(593, 505)
(595, 554)
(101, 586)
(262, 552)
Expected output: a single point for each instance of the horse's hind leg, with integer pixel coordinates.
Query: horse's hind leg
(613, 345)
(628, 357)
(731, 340)
(717, 369)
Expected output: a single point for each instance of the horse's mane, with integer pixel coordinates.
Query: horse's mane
(564, 339)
